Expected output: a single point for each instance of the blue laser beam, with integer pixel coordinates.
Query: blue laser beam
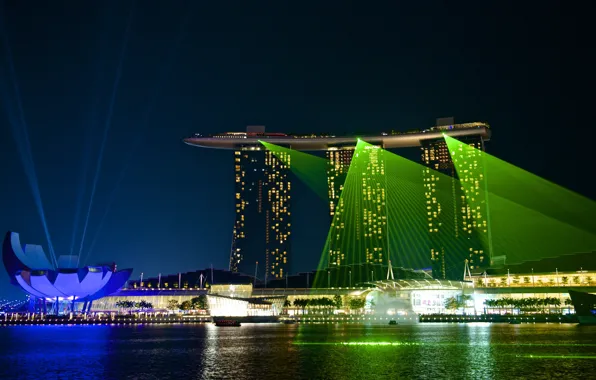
(139, 137)
(107, 127)
(24, 145)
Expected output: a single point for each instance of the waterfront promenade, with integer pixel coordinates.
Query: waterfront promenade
(122, 320)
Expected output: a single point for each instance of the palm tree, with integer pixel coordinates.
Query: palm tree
(199, 303)
(120, 304)
(356, 303)
(286, 305)
(173, 305)
(186, 305)
(451, 303)
(144, 305)
(125, 305)
(301, 303)
(337, 301)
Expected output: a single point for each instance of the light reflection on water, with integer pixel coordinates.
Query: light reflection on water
(277, 351)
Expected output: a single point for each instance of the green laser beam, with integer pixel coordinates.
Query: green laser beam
(528, 218)
(453, 344)
(463, 204)
(310, 169)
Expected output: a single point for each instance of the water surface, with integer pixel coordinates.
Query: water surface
(275, 351)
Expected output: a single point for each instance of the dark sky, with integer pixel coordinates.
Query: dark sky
(324, 66)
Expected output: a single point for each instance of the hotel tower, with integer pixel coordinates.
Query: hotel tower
(261, 238)
(361, 225)
(456, 205)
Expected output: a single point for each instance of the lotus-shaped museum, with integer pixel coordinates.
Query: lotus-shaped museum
(30, 269)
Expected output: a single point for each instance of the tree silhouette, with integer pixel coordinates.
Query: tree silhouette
(357, 303)
(337, 301)
(173, 305)
(199, 303)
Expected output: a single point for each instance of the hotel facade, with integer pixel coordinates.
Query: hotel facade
(261, 237)
(456, 204)
(262, 226)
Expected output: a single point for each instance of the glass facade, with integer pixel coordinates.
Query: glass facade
(440, 205)
(158, 301)
(263, 217)
(473, 203)
(365, 220)
(236, 291)
(373, 208)
(456, 208)
(526, 280)
(422, 296)
(338, 164)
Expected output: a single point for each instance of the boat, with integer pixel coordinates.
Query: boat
(393, 322)
(514, 322)
(288, 321)
(227, 322)
(585, 307)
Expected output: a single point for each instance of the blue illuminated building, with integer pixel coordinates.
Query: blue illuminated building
(63, 287)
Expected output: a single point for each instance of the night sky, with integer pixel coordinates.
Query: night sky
(214, 66)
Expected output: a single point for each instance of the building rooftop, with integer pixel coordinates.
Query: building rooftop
(251, 139)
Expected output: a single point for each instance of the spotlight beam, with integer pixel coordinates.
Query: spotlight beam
(25, 145)
(166, 69)
(86, 161)
(107, 126)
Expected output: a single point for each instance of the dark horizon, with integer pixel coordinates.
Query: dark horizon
(162, 206)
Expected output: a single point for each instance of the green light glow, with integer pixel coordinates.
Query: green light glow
(529, 218)
(477, 207)
(343, 238)
(308, 168)
(524, 188)
(385, 213)
(452, 344)
(557, 356)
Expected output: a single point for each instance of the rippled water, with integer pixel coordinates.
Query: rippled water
(274, 351)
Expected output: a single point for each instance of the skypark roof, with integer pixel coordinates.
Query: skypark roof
(239, 140)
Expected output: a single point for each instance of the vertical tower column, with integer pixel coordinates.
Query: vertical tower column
(338, 164)
(262, 226)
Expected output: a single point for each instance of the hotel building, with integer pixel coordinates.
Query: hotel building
(261, 238)
(361, 227)
(456, 204)
(263, 218)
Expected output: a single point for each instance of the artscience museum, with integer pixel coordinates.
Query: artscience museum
(63, 287)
